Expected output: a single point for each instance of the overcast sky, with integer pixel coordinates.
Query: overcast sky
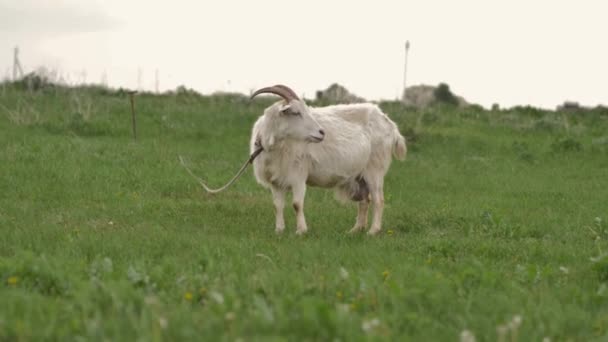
(536, 52)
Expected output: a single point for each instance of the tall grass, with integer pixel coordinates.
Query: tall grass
(495, 217)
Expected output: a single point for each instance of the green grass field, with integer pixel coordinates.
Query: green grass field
(493, 215)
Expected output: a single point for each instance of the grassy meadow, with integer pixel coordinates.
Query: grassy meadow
(495, 226)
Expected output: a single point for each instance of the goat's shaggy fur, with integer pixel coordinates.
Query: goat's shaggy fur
(351, 154)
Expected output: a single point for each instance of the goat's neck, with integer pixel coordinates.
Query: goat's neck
(286, 149)
(283, 161)
(285, 158)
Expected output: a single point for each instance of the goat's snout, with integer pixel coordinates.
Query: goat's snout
(318, 136)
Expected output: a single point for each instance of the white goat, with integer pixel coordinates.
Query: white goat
(344, 147)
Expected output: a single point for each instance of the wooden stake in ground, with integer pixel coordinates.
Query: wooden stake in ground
(132, 99)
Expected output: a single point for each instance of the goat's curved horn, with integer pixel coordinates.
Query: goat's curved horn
(281, 90)
(293, 93)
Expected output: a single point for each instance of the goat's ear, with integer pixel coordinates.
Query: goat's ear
(288, 110)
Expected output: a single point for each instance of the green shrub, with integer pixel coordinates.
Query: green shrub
(566, 144)
(443, 94)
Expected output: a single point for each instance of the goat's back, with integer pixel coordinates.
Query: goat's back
(358, 113)
(345, 151)
(383, 134)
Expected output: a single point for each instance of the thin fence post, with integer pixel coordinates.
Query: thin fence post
(134, 122)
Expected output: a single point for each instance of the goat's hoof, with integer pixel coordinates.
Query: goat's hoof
(301, 231)
(355, 229)
(279, 231)
(373, 232)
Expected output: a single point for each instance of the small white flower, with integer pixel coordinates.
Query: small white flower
(516, 320)
(467, 336)
(162, 321)
(343, 308)
(602, 289)
(564, 270)
(343, 273)
(369, 325)
(217, 297)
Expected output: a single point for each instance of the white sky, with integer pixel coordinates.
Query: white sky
(536, 52)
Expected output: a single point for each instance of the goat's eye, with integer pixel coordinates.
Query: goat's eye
(290, 112)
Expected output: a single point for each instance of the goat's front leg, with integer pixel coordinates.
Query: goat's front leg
(299, 192)
(278, 198)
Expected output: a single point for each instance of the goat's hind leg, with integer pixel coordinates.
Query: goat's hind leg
(363, 208)
(361, 194)
(377, 194)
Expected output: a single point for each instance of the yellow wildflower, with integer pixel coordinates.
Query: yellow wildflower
(385, 274)
(12, 280)
(188, 296)
(390, 232)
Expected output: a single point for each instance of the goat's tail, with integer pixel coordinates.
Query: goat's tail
(399, 146)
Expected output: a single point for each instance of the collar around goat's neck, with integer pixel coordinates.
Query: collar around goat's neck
(258, 149)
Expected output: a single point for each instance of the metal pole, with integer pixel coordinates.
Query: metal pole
(17, 65)
(407, 49)
(104, 79)
(156, 81)
(15, 61)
